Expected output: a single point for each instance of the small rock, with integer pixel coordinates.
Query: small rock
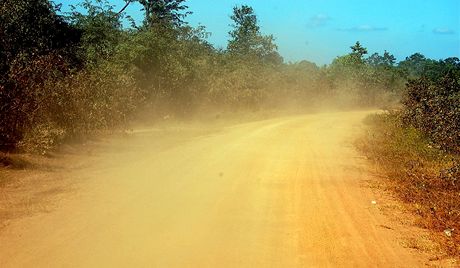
(448, 232)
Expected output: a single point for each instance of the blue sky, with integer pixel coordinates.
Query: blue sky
(320, 30)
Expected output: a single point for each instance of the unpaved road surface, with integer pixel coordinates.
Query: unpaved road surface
(285, 192)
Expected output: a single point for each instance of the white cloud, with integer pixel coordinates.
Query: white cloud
(443, 31)
(319, 20)
(363, 28)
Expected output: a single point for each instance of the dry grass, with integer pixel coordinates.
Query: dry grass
(13, 161)
(421, 175)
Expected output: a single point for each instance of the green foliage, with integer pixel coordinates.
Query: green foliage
(423, 176)
(419, 146)
(101, 28)
(171, 65)
(371, 81)
(247, 42)
(51, 91)
(32, 28)
(36, 44)
(164, 12)
(386, 61)
(87, 68)
(414, 65)
(246, 33)
(417, 66)
(433, 106)
(357, 53)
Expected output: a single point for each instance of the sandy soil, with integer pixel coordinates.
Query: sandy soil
(286, 192)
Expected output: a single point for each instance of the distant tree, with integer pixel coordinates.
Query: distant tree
(451, 64)
(416, 57)
(246, 39)
(417, 66)
(354, 61)
(369, 77)
(308, 66)
(164, 12)
(453, 61)
(245, 33)
(376, 60)
(388, 59)
(358, 52)
(414, 65)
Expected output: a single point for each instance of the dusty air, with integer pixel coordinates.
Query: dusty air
(199, 133)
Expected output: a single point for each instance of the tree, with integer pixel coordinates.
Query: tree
(35, 44)
(32, 27)
(246, 31)
(354, 61)
(358, 51)
(101, 27)
(246, 39)
(387, 60)
(414, 65)
(453, 62)
(375, 60)
(164, 12)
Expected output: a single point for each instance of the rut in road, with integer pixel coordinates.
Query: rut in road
(285, 192)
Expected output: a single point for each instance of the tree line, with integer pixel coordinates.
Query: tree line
(69, 75)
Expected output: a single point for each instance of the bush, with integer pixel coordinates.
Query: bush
(48, 102)
(434, 108)
(36, 45)
(421, 175)
(23, 94)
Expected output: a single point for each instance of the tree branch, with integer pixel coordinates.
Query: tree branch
(123, 9)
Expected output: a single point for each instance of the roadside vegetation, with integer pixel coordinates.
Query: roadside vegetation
(67, 76)
(417, 147)
(70, 75)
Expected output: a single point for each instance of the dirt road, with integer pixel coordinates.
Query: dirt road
(285, 192)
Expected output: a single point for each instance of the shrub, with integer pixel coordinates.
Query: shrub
(434, 108)
(49, 102)
(424, 177)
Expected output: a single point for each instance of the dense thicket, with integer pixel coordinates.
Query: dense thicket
(64, 76)
(418, 146)
(36, 47)
(432, 101)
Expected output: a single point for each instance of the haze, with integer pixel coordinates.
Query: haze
(299, 134)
